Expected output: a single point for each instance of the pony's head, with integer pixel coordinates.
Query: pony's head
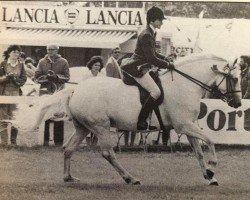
(226, 85)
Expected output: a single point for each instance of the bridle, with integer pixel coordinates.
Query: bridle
(228, 95)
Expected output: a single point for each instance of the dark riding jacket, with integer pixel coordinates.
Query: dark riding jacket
(144, 54)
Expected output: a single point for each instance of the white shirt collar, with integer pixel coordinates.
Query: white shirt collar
(112, 57)
(12, 65)
(153, 28)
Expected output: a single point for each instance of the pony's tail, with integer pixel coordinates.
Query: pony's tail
(28, 118)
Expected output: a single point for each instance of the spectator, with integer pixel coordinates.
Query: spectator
(22, 57)
(12, 77)
(29, 67)
(112, 66)
(245, 83)
(245, 76)
(52, 73)
(95, 65)
(113, 70)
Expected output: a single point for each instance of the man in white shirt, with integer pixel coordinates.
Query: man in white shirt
(112, 66)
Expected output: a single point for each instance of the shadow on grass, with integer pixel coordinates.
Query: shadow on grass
(157, 188)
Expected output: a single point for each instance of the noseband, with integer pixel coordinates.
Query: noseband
(228, 95)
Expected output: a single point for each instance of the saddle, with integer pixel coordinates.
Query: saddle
(129, 80)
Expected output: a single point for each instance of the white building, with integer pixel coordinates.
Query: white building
(81, 32)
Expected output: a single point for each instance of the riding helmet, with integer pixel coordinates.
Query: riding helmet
(155, 13)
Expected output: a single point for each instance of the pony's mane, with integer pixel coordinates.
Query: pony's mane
(197, 57)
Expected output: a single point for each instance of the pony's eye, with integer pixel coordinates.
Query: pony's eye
(235, 80)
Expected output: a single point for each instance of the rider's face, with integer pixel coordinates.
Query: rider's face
(157, 23)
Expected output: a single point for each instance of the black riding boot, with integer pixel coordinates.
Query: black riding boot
(145, 111)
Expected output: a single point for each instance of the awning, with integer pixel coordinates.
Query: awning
(65, 37)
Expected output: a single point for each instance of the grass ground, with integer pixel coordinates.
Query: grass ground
(36, 173)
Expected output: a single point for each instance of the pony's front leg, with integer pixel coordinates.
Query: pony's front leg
(191, 129)
(207, 173)
(109, 154)
(69, 149)
(213, 159)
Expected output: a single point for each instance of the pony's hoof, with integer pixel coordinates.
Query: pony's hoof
(210, 174)
(71, 179)
(215, 183)
(137, 183)
(132, 182)
(212, 162)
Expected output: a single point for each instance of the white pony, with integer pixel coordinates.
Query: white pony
(93, 107)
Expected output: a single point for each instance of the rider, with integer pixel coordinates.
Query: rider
(146, 56)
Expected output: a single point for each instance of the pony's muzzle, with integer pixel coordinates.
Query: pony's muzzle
(234, 104)
(237, 105)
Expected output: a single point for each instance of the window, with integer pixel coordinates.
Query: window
(130, 4)
(111, 4)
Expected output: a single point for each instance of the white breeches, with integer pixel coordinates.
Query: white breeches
(148, 84)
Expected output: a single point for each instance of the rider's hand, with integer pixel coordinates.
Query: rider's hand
(171, 66)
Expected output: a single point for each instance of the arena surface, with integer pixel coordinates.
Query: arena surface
(36, 173)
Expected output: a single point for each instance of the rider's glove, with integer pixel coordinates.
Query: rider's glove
(171, 66)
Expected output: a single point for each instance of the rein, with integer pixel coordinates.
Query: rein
(214, 89)
(197, 82)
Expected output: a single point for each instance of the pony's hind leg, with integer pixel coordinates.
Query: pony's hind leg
(207, 173)
(103, 134)
(70, 146)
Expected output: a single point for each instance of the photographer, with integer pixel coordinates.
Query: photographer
(52, 73)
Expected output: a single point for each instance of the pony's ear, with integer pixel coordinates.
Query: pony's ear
(216, 70)
(214, 67)
(235, 61)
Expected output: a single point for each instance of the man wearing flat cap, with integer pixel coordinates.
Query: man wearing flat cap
(52, 73)
(144, 57)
